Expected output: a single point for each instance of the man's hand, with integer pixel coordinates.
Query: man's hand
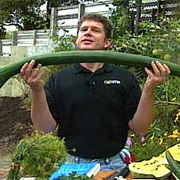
(33, 76)
(157, 75)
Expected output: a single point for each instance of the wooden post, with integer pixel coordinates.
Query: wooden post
(81, 10)
(53, 23)
(34, 38)
(138, 17)
(126, 3)
(159, 9)
(132, 24)
(1, 53)
(125, 13)
(14, 38)
(153, 18)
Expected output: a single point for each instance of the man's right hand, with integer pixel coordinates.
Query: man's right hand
(33, 76)
(40, 114)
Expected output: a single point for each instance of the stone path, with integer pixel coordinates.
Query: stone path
(5, 164)
(5, 160)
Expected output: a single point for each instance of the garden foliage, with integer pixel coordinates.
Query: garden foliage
(160, 39)
(37, 156)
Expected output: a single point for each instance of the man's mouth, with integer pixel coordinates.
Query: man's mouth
(87, 41)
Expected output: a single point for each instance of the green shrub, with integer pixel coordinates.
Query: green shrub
(37, 156)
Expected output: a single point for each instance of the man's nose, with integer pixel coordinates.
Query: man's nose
(88, 32)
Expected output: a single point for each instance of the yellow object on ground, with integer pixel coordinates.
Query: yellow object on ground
(155, 167)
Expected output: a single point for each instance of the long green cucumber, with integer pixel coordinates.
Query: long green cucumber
(174, 166)
(67, 57)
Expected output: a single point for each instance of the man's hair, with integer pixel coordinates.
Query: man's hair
(97, 18)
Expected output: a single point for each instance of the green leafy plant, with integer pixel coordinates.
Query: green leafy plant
(37, 156)
(121, 18)
(160, 41)
(64, 43)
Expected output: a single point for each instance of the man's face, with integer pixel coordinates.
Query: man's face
(91, 36)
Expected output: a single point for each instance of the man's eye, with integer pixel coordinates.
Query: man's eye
(96, 30)
(83, 29)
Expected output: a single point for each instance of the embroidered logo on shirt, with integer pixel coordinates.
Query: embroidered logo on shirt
(112, 82)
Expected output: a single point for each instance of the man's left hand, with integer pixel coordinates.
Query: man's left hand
(157, 75)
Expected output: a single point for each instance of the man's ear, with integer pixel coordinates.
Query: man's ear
(107, 43)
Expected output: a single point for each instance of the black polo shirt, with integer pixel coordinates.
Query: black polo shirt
(93, 109)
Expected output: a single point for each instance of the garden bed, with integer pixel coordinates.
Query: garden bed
(14, 125)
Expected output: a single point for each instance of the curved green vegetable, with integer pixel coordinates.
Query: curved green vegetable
(173, 164)
(67, 57)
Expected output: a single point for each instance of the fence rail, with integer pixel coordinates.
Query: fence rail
(5, 47)
(25, 38)
(32, 38)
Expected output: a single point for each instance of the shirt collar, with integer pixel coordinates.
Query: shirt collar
(78, 68)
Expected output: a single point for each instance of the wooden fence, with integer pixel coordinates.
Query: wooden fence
(5, 47)
(151, 9)
(64, 19)
(31, 38)
(24, 38)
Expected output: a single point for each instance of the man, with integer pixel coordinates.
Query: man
(93, 104)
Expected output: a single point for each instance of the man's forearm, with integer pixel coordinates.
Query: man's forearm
(40, 114)
(144, 115)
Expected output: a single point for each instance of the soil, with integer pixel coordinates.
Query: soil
(14, 125)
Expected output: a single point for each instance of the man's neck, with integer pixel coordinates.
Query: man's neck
(92, 66)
